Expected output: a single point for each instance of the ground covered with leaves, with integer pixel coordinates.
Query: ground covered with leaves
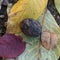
(49, 21)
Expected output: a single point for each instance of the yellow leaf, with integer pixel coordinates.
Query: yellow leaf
(28, 8)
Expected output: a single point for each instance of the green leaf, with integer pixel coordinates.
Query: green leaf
(51, 25)
(57, 4)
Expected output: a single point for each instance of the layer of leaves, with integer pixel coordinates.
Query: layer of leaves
(50, 24)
